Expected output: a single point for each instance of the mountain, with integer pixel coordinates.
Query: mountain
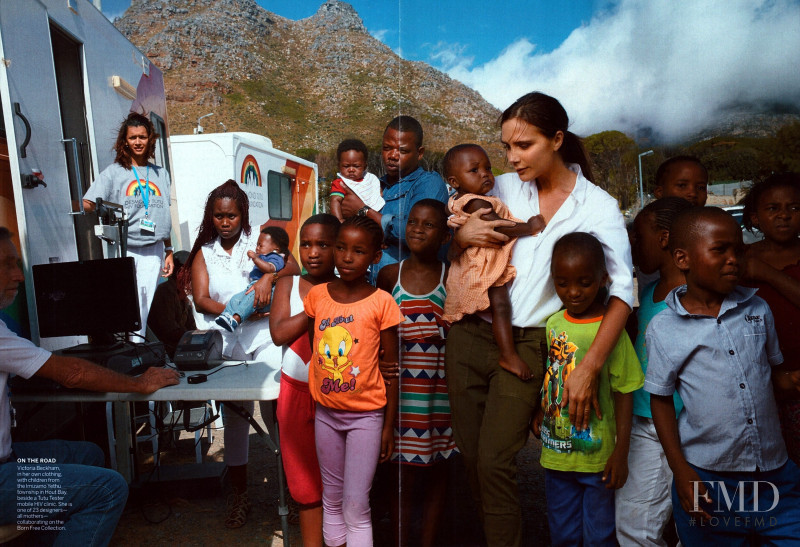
(305, 84)
(749, 121)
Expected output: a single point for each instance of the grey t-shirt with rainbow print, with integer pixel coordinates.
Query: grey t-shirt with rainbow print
(119, 185)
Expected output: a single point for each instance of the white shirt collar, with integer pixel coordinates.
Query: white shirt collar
(578, 192)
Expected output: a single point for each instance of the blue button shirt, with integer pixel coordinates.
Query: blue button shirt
(400, 197)
(720, 366)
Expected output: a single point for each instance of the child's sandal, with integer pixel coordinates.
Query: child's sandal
(238, 507)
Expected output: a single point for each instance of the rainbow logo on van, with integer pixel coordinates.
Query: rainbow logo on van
(251, 174)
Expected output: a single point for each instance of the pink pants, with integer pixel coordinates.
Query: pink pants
(348, 448)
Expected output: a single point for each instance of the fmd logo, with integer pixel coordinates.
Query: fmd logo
(251, 175)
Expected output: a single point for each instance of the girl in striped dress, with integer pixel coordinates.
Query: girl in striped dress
(423, 435)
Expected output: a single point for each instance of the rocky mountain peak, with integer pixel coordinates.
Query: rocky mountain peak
(306, 84)
(336, 16)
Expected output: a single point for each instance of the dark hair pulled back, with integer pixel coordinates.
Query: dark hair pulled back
(548, 116)
(368, 226)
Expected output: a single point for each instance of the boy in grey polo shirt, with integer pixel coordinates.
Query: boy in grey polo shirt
(716, 345)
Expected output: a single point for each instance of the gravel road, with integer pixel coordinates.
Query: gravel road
(193, 513)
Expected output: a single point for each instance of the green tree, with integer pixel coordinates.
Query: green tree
(785, 150)
(308, 154)
(432, 161)
(729, 158)
(613, 156)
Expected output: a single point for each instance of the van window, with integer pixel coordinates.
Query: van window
(279, 195)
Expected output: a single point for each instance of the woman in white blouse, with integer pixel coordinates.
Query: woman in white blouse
(492, 408)
(218, 268)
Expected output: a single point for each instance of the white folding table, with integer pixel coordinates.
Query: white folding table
(231, 381)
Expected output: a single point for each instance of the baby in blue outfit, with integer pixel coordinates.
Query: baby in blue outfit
(269, 258)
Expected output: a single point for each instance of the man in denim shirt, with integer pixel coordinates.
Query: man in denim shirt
(404, 184)
(716, 345)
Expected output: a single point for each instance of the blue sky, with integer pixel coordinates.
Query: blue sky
(666, 65)
(473, 26)
(420, 29)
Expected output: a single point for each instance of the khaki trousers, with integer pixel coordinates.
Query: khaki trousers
(491, 414)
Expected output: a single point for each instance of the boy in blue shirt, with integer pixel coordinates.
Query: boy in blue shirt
(716, 345)
(583, 468)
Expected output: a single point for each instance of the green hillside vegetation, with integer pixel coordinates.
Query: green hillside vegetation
(732, 159)
(785, 152)
(614, 157)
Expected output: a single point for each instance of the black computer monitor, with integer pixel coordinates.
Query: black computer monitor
(96, 298)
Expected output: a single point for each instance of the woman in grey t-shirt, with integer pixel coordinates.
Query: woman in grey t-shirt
(142, 188)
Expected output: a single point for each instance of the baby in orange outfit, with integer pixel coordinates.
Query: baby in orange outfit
(478, 276)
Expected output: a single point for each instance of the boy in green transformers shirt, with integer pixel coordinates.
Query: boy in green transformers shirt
(583, 468)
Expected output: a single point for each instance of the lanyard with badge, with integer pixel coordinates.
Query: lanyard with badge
(145, 224)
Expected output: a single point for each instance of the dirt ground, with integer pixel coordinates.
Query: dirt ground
(191, 512)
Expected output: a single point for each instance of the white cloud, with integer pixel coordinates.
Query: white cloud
(379, 35)
(450, 56)
(111, 16)
(670, 66)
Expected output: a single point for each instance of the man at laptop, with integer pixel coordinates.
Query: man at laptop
(93, 497)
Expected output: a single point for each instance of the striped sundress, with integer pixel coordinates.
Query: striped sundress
(423, 434)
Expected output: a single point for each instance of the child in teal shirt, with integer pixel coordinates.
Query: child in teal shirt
(644, 505)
